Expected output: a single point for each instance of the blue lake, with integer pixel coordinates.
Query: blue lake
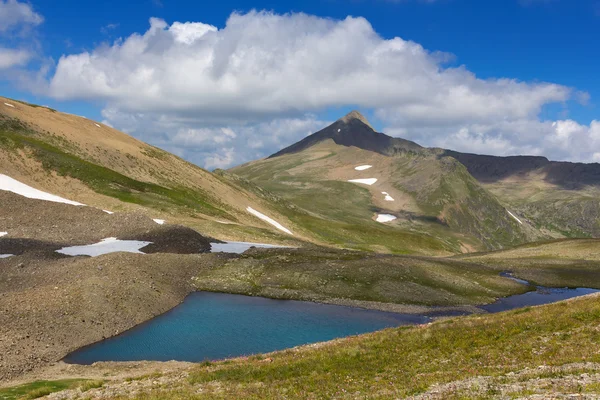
(211, 326)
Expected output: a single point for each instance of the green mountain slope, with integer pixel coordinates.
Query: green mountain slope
(434, 196)
(85, 161)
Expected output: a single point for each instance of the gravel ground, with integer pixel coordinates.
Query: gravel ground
(51, 304)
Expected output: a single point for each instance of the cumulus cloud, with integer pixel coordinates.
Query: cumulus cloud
(14, 14)
(214, 146)
(263, 73)
(15, 20)
(557, 140)
(13, 57)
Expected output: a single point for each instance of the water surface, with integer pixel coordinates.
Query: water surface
(240, 247)
(216, 325)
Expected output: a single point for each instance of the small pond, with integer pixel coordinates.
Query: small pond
(209, 326)
(216, 325)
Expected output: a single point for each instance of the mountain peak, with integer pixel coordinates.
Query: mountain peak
(355, 115)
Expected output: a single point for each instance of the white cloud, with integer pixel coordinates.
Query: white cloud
(16, 19)
(13, 57)
(558, 140)
(214, 146)
(14, 13)
(267, 64)
(224, 96)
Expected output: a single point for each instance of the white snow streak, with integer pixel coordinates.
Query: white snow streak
(387, 196)
(3, 234)
(98, 125)
(12, 185)
(369, 181)
(383, 218)
(108, 212)
(9, 105)
(269, 220)
(6, 255)
(106, 246)
(159, 221)
(515, 217)
(363, 167)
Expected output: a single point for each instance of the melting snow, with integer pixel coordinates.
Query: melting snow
(12, 185)
(108, 212)
(369, 181)
(387, 196)
(9, 105)
(240, 247)
(159, 221)
(269, 220)
(363, 167)
(3, 234)
(385, 218)
(6, 255)
(106, 246)
(515, 217)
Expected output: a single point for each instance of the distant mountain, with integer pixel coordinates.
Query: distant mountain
(354, 130)
(473, 201)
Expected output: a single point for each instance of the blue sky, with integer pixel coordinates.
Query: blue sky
(547, 51)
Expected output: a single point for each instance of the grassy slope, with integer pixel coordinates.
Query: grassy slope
(561, 212)
(339, 214)
(559, 263)
(319, 274)
(38, 389)
(329, 275)
(446, 203)
(124, 174)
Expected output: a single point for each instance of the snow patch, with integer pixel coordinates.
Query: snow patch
(240, 247)
(383, 218)
(6, 255)
(363, 167)
(387, 196)
(369, 181)
(98, 125)
(3, 234)
(339, 130)
(105, 246)
(9, 105)
(12, 185)
(269, 220)
(515, 217)
(108, 212)
(159, 221)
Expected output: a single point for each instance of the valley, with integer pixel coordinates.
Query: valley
(101, 233)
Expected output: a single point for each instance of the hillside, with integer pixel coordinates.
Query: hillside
(426, 194)
(471, 201)
(94, 164)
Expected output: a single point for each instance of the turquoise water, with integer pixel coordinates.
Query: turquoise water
(210, 326)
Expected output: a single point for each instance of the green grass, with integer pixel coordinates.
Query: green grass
(325, 275)
(38, 389)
